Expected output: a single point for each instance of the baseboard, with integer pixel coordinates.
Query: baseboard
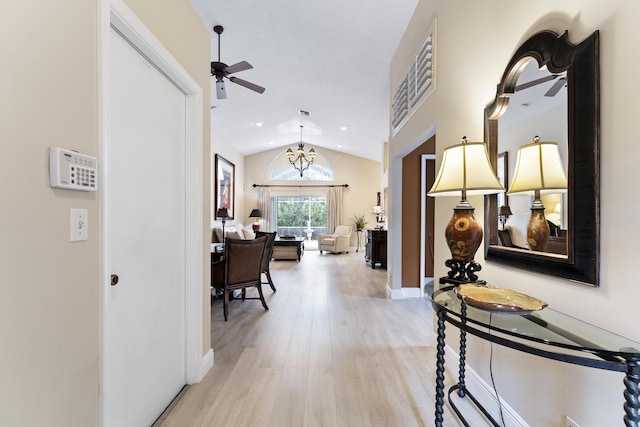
(206, 365)
(394, 293)
(411, 292)
(481, 391)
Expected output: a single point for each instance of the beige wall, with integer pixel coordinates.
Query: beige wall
(475, 40)
(50, 287)
(362, 175)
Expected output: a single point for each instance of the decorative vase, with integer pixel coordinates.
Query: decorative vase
(463, 234)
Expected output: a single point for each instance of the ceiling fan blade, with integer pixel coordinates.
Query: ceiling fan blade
(240, 66)
(247, 84)
(553, 91)
(536, 82)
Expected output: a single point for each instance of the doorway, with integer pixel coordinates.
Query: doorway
(418, 174)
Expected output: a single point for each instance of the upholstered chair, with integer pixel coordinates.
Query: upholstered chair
(337, 242)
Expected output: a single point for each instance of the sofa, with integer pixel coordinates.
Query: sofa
(236, 231)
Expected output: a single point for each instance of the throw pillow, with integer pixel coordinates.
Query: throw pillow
(234, 235)
(248, 234)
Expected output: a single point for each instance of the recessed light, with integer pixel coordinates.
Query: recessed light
(259, 124)
(339, 145)
(270, 142)
(343, 128)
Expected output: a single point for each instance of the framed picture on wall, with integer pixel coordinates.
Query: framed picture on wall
(503, 177)
(225, 177)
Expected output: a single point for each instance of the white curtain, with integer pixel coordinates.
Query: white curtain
(264, 204)
(334, 208)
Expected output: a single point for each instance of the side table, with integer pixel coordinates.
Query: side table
(545, 333)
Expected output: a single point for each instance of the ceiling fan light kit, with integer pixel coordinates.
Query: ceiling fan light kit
(220, 71)
(220, 92)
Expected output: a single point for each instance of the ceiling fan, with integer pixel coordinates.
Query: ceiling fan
(220, 70)
(553, 90)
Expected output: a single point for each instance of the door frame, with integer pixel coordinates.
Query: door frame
(424, 188)
(114, 13)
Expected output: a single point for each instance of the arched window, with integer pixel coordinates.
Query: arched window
(282, 170)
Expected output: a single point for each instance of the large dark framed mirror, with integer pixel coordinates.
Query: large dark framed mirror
(550, 88)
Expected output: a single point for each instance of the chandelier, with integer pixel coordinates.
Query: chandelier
(302, 162)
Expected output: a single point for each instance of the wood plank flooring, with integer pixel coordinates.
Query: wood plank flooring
(331, 351)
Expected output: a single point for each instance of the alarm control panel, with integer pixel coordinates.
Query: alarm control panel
(72, 170)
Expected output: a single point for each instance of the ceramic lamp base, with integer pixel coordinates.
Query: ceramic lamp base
(463, 233)
(256, 227)
(538, 230)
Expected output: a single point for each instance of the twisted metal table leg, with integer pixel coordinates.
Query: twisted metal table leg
(463, 351)
(440, 370)
(631, 393)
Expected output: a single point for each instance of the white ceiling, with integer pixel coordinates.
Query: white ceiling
(328, 57)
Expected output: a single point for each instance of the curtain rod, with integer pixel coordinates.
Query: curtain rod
(300, 186)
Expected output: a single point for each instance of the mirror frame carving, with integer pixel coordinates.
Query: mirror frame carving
(582, 64)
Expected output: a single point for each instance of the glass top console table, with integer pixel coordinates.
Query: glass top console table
(546, 333)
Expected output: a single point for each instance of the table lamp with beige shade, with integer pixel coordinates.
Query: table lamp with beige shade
(465, 171)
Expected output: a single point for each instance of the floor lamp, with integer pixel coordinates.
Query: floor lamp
(224, 214)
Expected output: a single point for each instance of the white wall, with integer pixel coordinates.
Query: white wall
(475, 40)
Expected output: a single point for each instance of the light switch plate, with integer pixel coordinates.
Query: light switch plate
(79, 225)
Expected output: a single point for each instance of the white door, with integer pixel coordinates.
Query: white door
(145, 323)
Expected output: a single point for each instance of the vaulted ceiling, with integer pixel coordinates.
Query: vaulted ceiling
(327, 57)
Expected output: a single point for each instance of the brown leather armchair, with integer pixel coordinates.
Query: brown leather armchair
(240, 269)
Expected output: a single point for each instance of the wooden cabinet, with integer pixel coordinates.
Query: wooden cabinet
(376, 247)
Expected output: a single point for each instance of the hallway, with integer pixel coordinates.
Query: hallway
(331, 351)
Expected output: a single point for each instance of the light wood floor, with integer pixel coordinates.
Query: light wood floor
(331, 351)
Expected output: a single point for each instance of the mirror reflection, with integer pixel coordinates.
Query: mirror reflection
(537, 107)
(570, 116)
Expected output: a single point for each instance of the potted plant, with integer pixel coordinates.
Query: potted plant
(359, 221)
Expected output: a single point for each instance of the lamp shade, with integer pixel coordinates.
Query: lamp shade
(222, 213)
(505, 211)
(465, 167)
(538, 167)
(255, 213)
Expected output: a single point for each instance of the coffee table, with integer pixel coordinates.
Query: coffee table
(288, 248)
